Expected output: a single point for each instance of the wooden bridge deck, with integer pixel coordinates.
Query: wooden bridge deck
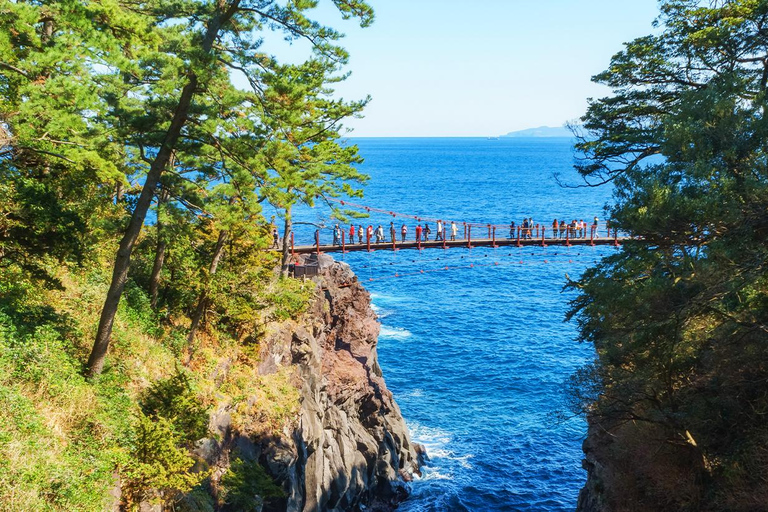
(481, 242)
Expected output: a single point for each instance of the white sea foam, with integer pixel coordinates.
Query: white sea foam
(436, 475)
(441, 456)
(383, 298)
(434, 439)
(416, 393)
(394, 333)
(464, 461)
(380, 311)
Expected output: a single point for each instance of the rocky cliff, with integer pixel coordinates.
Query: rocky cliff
(349, 447)
(633, 467)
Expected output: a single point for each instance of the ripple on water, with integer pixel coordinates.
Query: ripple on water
(476, 357)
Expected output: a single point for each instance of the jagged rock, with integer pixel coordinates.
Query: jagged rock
(350, 449)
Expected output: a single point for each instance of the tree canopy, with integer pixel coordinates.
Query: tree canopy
(110, 107)
(680, 383)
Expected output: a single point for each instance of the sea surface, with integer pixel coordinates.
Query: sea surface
(477, 355)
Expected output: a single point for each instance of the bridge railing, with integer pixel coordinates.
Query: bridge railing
(519, 235)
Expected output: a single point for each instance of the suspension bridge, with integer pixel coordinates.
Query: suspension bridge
(450, 234)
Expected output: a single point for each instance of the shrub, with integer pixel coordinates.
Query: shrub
(175, 399)
(158, 468)
(245, 482)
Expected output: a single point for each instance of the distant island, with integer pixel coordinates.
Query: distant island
(541, 131)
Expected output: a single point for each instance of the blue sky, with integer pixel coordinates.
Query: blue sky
(483, 67)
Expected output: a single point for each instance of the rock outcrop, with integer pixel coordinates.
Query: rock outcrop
(349, 449)
(632, 467)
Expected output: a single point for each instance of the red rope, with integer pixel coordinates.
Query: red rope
(459, 267)
(419, 218)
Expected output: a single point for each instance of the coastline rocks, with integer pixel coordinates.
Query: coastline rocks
(350, 448)
(352, 442)
(591, 497)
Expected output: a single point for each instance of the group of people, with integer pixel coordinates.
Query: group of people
(560, 229)
(376, 235)
(443, 230)
(573, 229)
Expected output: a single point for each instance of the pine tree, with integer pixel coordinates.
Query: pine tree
(679, 320)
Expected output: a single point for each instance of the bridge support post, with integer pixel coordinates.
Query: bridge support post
(394, 244)
(537, 231)
(317, 241)
(616, 237)
(568, 236)
(445, 232)
(343, 243)
(489, 231)
(494, 238)
(465, 230)
(293, 251)
(469, 237)
(518, 236)
(368, 239)
(592, 236)
(543, 243)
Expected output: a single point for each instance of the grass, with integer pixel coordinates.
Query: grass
(64, 440)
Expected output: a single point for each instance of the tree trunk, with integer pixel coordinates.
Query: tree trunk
(286, 243)
(202, 302)
(123, 258)
(119, 191)
(157, 267)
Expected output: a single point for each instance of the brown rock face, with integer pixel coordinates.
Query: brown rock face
(350, 449)
(352, 443)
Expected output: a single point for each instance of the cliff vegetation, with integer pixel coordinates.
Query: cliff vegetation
(678, 394)
(139, 144)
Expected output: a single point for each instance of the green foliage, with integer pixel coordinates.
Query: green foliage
(290, 298)
(679, 320)
(51, 455)
(196, 500)
(244, 481)
(136, 309)
(99, 102)
(176, 400)
(157, 463)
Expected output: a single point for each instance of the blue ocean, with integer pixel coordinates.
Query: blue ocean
(477, 354)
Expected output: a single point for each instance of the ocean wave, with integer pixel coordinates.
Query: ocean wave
(434, 439)
(394, 333)
(377, 297)
(438, 445)
(380, 311)
(429, 474)
(416, 393)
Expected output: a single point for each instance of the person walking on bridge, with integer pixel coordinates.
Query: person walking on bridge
(404, 232)
(392, 231)
(275, 234)
(369, 232)
(351, 233)
(418, 232)
(360, 234)
(439, 236)
(554, 228)
(379, 234)
(336, 235)
(454, 230)
(512, 229)
(427, 231)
